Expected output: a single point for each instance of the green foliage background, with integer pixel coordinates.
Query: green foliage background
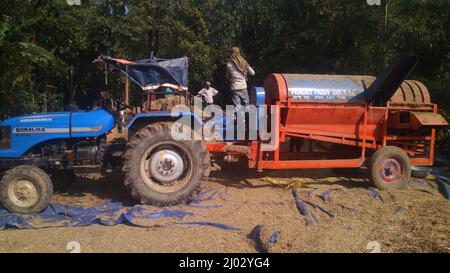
(39, 40)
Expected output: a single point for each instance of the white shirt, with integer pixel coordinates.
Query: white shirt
(237, 79)
(208, 94)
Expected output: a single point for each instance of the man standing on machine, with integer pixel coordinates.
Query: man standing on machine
(237, 71)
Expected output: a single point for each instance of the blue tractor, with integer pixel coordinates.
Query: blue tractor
(39, 152)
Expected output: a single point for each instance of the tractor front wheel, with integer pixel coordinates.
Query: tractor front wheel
(390, 168)
(25, 189)
(162, 171)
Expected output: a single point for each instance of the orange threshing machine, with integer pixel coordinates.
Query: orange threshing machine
(387, 124)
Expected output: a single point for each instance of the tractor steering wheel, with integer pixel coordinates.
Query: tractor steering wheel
(121, 105)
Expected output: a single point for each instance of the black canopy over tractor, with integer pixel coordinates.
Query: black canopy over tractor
(150, 74)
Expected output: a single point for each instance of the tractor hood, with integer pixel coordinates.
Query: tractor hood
(30, 130)
(35, 118)
(79, 123)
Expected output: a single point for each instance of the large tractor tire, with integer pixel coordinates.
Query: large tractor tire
(390, 168)
(26, 189)
(162, 171)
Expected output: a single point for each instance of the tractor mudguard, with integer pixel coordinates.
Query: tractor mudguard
(165, 116)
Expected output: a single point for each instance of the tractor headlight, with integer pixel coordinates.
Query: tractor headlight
(5, 137)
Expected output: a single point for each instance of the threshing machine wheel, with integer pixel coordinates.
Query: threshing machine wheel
(25, 189)
(390, 168)
(160, 170)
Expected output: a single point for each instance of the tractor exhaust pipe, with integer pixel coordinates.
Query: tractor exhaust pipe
(71, 106)
(71, 88)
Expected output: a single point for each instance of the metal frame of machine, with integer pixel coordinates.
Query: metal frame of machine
(367, 140)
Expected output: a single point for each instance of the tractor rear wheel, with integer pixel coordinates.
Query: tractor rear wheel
(162, 171)
(390, 168)
(25, 189)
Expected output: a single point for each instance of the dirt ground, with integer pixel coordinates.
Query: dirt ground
(412, 220)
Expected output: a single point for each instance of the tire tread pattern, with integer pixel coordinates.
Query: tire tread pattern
(150, 135)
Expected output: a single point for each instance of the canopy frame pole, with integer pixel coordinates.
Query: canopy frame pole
(126, 94)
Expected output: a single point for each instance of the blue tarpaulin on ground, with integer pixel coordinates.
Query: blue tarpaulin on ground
(444, 186)
(110, 214)
(442, 181)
